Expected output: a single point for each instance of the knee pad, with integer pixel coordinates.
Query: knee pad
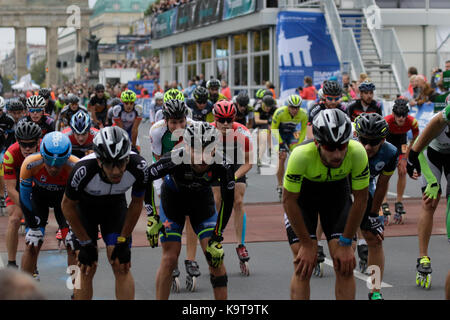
(220, 281)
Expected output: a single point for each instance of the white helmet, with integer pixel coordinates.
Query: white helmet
(2, 103)
(159, 96)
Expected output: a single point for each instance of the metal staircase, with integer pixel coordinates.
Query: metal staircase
(380, 73)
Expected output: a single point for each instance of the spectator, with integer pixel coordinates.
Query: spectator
(309, 91)
(225, 89)
(426, 93)
(271, 87)
(1, 85)
(201, 81)
(190, 88)
(166, 86)
(157, 88)
(16, 285)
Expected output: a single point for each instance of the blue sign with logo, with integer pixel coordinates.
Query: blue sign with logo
(147, 84)
(305, 48)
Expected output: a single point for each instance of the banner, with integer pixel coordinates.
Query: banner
(187, 18)
(145, 103)
(147, 84)
(134, 39)
(164, 24)
(423, 115)
(209, 11)
(236, 8)
(304, 49)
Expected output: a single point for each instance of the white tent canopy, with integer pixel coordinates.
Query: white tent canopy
(25, 83)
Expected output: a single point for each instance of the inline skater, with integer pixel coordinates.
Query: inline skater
(72, 107)
(16, 110)
(237, 152)
(187, 191)
(98, 106)
(27, 135)
(35, 106)
(430, 157)
(128, 116)
(7, 124)
(399, 124)
(81, 134)
(43, 178)
(200, 106)
(156, 106)
(175, 118)
(214, 95)
(318, 168)
(366, 103)
(49, 103)
(372, 129)
(263, 119)
(290, 121)
(111, 104)
(244, 112)
(95, 196)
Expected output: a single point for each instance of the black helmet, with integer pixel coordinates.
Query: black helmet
(72, 99)
(27, 130)
(112, 144)
(331, 88)
(242, 98)
(114, 102)
(200, 94)
(200, 134)
(174, 109)
(213, 83)
(16, 105)
(44, 92)
(269, 101)
(332, 127)
(371, 125)
(400, 107)
(99, 87)
(366, 86)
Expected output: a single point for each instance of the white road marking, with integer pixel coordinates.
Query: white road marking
(1, 263)
(359, 275)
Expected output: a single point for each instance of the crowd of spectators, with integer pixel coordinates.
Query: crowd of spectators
(148, 68)
(164, 5)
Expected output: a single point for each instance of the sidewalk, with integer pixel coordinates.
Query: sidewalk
(264, 224)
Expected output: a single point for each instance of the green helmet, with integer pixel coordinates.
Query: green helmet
(173, 94)
(128, 96)
(294, 100)
(260, 93)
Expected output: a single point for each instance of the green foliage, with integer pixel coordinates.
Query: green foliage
(38, 72)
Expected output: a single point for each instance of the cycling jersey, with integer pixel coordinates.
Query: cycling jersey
(446, 114)
(319, 107)
(161, 137)
(59, 105)
(237, 140)
(154, 108)
(204, 114)
(220, 98)
(305, 163)
(244, 117)
(127, 119)
(264, 115)
(46, 123)
(77, 149)
(356, 108)
(384, 162)
(34, 179)
(397, 134)
(50, 107)
(99, 103)
(292, 130)
(184, 183)
(67, 113)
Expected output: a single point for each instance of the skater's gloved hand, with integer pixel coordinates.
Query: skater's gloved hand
(69, 240)
(34, 237)
(88, 254)
(122, 252)
(283, 147)
(214, 251)
(413, 163)
(376, 226)
(154, 227)
(431, 192)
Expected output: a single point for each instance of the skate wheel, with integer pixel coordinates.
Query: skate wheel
(362, 267)
(191, 283)
(245, 270)
(176, 285)
(427, 282)
(318, 270)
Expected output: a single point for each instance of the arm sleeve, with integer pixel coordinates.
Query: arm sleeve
(275, 126)
(428, 174)
(415, 128)
(304, 122)
(26, 187)
(227, 185)
(293, 176)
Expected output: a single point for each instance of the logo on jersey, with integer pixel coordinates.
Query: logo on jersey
(231, 185)
(78, 176)
(154, 171)
(43, 178)
(295, 178)
(142, 165)
(380, 165)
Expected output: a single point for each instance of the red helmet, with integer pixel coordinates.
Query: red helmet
(224, 109)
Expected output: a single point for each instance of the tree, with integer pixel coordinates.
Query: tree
(38, 72)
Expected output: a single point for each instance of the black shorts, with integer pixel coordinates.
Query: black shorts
(242, 179)
(109, 216)
(199, 205)
(329, 199)
(439, 164)
(41, 202)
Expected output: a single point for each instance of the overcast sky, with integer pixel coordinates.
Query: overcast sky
(34, 36)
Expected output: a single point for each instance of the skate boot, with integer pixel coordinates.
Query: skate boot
(375, 296)
(399, 217)
(242, 253)
(386, 213)
(363, 251)
(423, 275)
(22, 226)
(36, 275)
(280, 192)
(192, 273)
(60, 239)
(2, 202)
(175, 280)
(318, 269)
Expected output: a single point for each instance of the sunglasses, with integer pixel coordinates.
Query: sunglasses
(332, 98)
(223, 120)
(401, 115)
(119, 164)
(331, 148)
(28, 144)
(371, 142)
(35, 110)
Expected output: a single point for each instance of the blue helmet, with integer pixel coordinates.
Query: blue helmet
(55, 148)
(80, 122)
(366, 86)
